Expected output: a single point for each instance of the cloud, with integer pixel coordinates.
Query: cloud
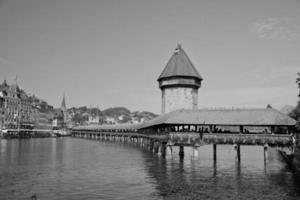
(276, 29)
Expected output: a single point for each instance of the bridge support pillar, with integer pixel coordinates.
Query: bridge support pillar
(215, 151)
(265, 153)
(195, 151)
(159, 148)
(163, 147)
(156, 147)
(151, 146)
(238, 151)
(147, 143)
(169, 150)
(181, 151)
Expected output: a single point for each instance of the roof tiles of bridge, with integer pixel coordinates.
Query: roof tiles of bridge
(249, 117)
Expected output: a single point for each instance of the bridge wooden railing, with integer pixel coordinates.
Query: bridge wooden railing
(229, 138)
(197, 139)
(98, 133)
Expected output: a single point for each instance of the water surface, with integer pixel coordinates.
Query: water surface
(72, 168)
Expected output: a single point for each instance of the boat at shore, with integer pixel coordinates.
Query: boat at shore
(62, 132)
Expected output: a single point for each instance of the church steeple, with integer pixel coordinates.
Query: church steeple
(63, 108)
(63, 103)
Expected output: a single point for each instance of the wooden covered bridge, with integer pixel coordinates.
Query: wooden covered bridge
(265, 127)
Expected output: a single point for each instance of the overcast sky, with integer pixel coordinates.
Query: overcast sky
(110, 53)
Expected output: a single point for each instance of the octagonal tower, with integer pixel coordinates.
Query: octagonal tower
(179, 83)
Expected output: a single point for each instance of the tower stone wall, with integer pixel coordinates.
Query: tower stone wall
(179, 98)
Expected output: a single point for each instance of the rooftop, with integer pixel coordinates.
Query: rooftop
(179, 65)
(250, 117)
(230, 117)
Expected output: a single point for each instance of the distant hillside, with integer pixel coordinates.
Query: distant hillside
(116, 115)
(287, 109)
(116, 111)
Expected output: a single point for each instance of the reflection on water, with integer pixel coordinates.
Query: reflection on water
(226, 178)
(70, 168)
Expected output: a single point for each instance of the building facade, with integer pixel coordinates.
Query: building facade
(179, 83)
(15, 107)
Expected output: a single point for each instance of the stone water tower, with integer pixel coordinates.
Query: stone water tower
(179, 83)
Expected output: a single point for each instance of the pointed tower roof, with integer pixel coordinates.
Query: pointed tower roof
(179, 65)
(63, 103)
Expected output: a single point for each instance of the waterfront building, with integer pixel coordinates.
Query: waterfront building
(21, 110)
(179, 83)
(93, 119)
(110, 120)
(15, 107)
(58, 119)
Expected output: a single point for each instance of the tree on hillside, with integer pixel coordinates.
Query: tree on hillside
(298, 80)
(296, 112)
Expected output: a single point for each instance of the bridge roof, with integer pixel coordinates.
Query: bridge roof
(109, 127)
(246, 117)
(179, 65)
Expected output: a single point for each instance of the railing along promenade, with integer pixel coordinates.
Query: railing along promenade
(28, 133)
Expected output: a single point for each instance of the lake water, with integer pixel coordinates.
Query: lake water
(73, 168)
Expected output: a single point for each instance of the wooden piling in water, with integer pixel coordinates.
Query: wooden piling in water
(215, 151)
(238, 152)
(181, 151)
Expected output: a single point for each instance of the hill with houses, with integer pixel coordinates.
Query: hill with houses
(116, 115)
